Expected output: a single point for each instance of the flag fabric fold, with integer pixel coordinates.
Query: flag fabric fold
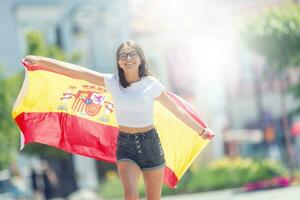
(78, 117)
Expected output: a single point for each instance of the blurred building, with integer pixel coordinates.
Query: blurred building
(10, 47)
(181, 41)
(89, 27)
(254, 97)
(194, 47)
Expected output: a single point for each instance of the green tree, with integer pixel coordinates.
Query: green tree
(275, 34)
(36, 45)
(8, 130)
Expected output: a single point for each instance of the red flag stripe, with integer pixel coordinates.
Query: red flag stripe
(188, 108)
(170, 179)
(73, 134)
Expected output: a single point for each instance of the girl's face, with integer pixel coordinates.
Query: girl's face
(128, 58)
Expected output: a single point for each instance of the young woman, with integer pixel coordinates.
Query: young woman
(133, 90)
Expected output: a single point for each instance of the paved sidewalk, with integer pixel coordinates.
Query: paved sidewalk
(288, 193)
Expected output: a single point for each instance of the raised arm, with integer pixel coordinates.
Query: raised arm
(68, 69)
(164, 99)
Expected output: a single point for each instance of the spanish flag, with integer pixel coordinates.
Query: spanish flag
(79, 117)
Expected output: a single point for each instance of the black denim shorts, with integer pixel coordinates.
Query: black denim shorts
(143, 149)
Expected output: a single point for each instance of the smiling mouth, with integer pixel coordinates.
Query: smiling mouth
(129, 64)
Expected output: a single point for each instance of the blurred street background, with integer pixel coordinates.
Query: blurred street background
(236, 61)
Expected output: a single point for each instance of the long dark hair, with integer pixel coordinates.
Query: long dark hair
(143, 68)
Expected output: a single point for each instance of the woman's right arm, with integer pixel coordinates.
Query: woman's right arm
(68, 69)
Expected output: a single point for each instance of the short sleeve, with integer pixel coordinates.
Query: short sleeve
(108, 81)
(157, 88)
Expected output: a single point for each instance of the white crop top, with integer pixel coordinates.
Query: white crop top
(134, 104)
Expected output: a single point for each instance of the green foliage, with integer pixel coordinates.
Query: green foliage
(8, 130)
(232, 172)
(45, 151)
(275, 34)
(112, 187)
(36, 45)
(221, 174)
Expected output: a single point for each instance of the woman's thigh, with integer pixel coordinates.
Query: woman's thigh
(153, 183)
(129, 174)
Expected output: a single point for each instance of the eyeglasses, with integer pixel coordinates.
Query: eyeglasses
(124, 56)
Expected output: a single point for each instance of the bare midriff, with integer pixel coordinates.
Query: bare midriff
(133, 130)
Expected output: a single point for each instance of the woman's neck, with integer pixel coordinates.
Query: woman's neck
(132, 77)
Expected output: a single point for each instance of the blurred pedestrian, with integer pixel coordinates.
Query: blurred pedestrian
(37, 184)
(50, 180)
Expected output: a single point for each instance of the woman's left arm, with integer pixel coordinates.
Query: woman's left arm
(165, 100)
